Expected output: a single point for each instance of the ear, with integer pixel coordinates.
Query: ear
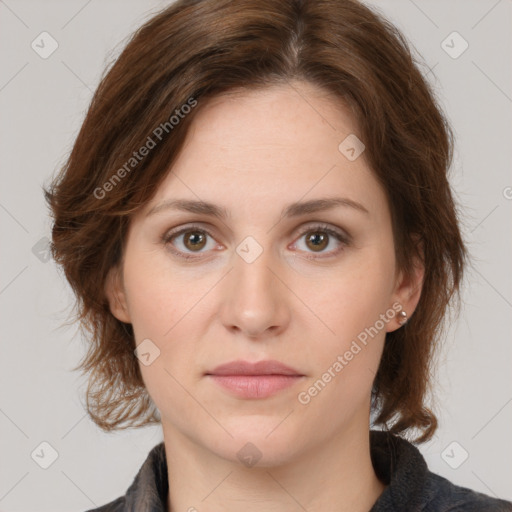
(408, 289)
(116, 295)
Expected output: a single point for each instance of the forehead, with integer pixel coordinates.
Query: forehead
(272, 131)
(278, 113)
(277, 144)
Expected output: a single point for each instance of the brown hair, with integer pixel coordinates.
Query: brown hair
(194, 50)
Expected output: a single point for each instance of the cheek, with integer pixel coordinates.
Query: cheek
(355, 297)
(347, 354)
(162, 310)
(165, 308)
(347, 359)
(153, 301)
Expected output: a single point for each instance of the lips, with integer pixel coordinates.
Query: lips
(254, 380)
(268, 367)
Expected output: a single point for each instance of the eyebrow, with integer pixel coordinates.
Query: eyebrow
(292, 210)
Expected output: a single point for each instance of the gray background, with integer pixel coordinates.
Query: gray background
(43, 102)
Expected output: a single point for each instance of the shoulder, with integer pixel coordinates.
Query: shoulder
(116, 505)
(412, 487)
(148, 490)
(446, 496)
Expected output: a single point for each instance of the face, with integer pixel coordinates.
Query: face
(260, 277)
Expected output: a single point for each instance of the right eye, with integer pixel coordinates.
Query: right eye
(193, 240)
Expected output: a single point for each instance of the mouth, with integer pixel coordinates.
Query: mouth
(254, 380)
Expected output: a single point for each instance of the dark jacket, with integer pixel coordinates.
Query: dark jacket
(398, 463)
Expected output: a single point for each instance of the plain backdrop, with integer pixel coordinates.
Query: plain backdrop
(43, 102)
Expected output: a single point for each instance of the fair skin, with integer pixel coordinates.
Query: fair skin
(254, 153)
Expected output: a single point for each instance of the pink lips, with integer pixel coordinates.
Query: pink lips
(255, 380)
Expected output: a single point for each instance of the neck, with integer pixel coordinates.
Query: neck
(335, 476)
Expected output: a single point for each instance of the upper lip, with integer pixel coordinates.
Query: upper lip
(240, 367)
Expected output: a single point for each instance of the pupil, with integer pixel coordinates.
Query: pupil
(195, 238)
(317, 239)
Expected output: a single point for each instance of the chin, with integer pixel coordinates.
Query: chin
(257, 443)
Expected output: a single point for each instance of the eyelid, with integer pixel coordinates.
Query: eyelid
(183, 229)
(323, 226)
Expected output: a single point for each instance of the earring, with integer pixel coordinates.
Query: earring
(402, 317)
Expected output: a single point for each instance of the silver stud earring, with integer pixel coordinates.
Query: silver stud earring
(402, 317)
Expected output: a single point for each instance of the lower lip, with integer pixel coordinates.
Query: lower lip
(255, 386)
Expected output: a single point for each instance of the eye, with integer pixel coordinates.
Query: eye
(319, 237)
(194, 239)
(186, 241)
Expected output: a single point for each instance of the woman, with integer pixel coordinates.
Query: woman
(257, 223)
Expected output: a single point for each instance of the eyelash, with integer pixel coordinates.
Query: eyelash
(338, 235)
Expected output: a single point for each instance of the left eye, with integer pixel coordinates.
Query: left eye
(319, 237)
(195, 239)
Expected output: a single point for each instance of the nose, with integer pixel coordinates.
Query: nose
(255, 299)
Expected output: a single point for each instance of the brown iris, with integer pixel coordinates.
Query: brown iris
(197, 240)
(318, 239)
